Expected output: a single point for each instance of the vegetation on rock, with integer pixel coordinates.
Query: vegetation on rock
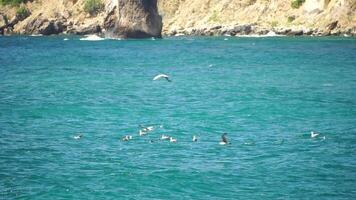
(22, 12)
(291, 19)
(93, 7)
(12, 2)
(297, 3)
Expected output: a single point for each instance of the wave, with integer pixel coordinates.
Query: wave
(269, 34)
(36, 35)
(92, 38)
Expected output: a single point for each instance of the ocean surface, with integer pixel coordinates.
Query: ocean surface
(267, 94)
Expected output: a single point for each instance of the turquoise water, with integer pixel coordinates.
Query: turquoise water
(266, 93)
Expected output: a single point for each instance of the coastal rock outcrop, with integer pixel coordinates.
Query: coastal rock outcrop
(135, 19)
(44, 26)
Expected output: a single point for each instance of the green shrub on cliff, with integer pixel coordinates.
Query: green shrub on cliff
(93, 6)
(291, 19)
(22, 12)
(214, 17)
(12, 2)
(297, 3)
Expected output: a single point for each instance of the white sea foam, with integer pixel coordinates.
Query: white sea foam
(179, 34)
(269, 34)
(36, 35)
(92, 38)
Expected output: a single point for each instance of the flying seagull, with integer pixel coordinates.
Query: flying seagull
(223, 139)
(159, 76)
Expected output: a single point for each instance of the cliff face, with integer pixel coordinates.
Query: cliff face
(139, 18)
(313, 15)
(136, 19)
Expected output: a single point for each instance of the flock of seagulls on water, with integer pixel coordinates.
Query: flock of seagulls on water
(145, 130)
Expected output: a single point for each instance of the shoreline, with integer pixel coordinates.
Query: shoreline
(246, 30)
(255, 30)
(103, 37)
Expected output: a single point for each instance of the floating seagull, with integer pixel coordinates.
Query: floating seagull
(194, 138)
(223, 139)
(146, 129)
(172, 139)
(77, 137)
(159, 76)
(164, 137)
(127, 138)
(149, 128)
(141, 132)
(313, 134)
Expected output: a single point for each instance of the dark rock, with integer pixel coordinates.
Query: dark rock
(295, 32)
(3, 23)
(3, 20)
(8, 26)
(44, 26)
(110, 19)
(215, 27)
(332, 26)
(282, 31)
(137, 19)
(86, 30)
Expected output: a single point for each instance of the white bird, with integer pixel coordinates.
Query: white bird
(194, 138)
(149, 128)
(223, 139)
(127, 138)
(313, 134)
(159, 76)
(77, 137)
(164, 137)
(172, 139)
(141, 132)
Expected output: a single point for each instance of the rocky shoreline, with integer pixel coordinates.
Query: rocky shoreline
(62, 25)
(138, 19)
(255, 30)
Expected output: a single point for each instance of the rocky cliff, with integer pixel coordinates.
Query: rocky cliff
(136, 19)
(296, 17)
(139, 18)
(115, 18)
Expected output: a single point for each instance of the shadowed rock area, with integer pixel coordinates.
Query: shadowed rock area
(135, 19)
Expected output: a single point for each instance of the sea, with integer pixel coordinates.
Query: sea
(67, 102)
